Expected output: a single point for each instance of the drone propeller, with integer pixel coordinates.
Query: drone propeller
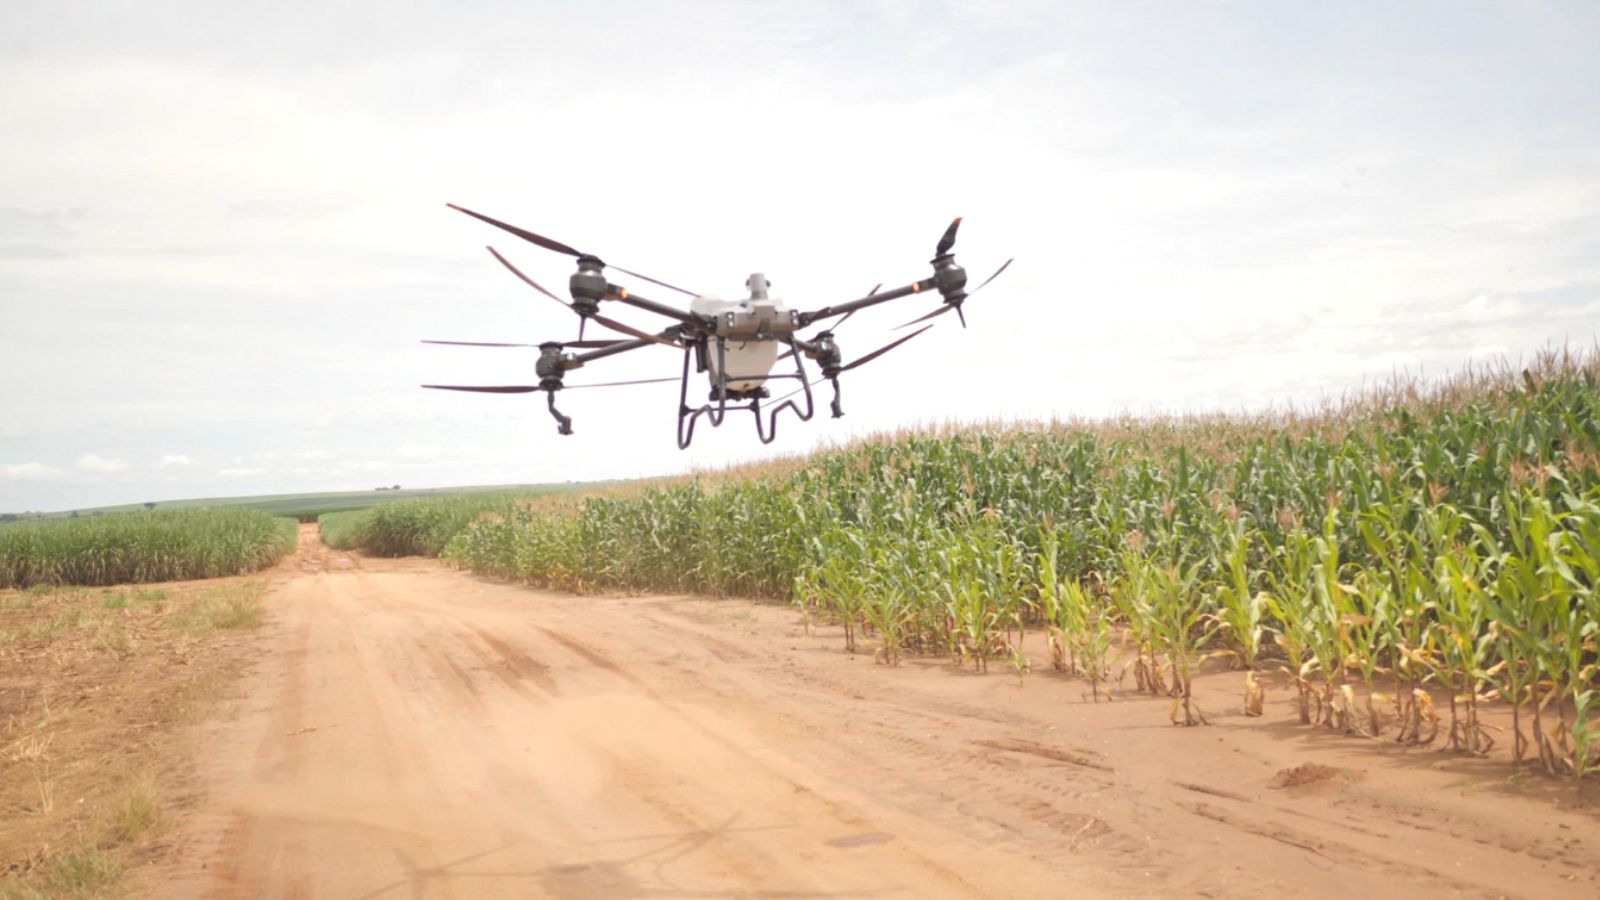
(487, 389)
(558, 247)
(809, 384)
(532, 388)
(572, 387)
(949, 306)
(609, 323)
(949, 239)
(938, 312)
(853, 312)
(1003, 266)
(614, 325)
(880, 351)
(531, 283)
(595, 344)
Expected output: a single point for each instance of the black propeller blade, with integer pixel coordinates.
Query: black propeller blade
(595, 344)
(486, 389)
(531, 283)
(671, 287)
(530, 237)
(795, 391)
(938, 312)
(854, 311)
(851, 365)
(881, 350)
(1003, 266)
(609, 323)
(949, 239)
(614, 325)
(572, 387)
(532, 388)
(549, 244)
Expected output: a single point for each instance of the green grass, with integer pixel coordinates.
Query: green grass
(220, 609)
(343, 530)
(87, 871)
(142, 547)
(136, 813)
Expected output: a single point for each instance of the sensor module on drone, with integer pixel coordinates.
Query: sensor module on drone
(735, 342)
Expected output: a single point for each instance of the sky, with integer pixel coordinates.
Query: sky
(223, 229)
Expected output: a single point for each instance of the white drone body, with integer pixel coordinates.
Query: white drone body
(751, 329)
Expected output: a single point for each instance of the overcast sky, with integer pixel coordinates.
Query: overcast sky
(223, 231)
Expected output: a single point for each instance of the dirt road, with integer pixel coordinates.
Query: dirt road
(413, 732)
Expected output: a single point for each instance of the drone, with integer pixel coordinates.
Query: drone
(734, 342)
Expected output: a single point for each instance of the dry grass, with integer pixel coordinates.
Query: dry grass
(95, 684)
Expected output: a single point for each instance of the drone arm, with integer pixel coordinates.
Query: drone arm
(661, 309)
(669, 335)
(916, 287)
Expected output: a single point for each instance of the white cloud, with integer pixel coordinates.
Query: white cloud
(232, 473)
(176, 460)
(90, 462)
(20, 471)
(411, 450)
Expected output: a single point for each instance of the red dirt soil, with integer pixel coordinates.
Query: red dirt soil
(410, 731)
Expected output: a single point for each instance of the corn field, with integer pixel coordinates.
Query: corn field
(1403, 559)
(418, 527)
(129, 548)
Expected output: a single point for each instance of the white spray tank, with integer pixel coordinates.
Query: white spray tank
(739, 322)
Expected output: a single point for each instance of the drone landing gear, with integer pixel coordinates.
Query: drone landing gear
(563, 423)
(767, 431)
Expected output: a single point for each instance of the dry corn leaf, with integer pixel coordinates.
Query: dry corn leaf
(1254, 695)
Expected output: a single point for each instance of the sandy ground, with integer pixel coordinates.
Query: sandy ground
(414, 732)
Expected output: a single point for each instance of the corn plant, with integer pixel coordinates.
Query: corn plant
(1093, 643)
(1182, 627)
(1462, 612)
(1241, 609)
(1064, 622)
(1134, 594)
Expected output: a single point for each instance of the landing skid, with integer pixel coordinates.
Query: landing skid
(716, 410)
